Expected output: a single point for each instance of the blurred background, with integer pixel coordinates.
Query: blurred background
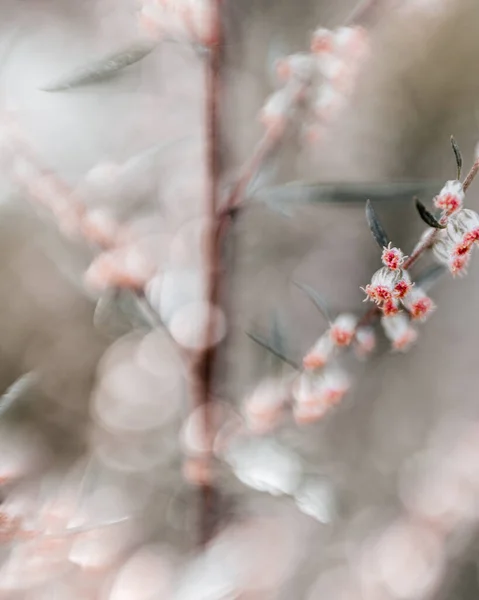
(95, 441)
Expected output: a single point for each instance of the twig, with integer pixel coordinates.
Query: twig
(471, 176)
(272, 137)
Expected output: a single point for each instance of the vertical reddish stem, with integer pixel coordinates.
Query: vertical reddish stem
(204, 366)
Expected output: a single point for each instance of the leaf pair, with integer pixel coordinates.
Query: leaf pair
(426, 215)
(378, 231)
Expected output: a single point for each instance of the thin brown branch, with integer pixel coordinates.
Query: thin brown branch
(471, 176)
(265, 146)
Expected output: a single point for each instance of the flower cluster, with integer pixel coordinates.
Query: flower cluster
(399, 331)
(323, 383)
(123, 262)
(315, 393)
(450, 199)
(325, 76)
(341, 333)
(179, 19)
(318, 387)
(453, 245)
(391, 289)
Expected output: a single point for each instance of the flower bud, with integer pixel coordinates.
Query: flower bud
(450, 198)
(275, 111)
(365, 341)
(342, 330)
(328, 102)
(418, 303)
(299, 66)
(399, 331)
(320, 353)
(403, 286)
(351, 41)
(392, 258)
(322, 41)
(263, 407)
(382, 285)
(326, 389)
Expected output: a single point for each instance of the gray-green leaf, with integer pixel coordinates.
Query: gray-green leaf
(16, 391)
(104, 68)
(261, 341)
(316, 299)
(379, 234)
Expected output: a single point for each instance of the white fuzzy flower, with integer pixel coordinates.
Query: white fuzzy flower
(453, 245)
(343, 328)
(382, 286)
(276, 109)
(392, 258)
(450, 199)
(418, 303)
(365, 341)
(320, 353)
(322, 41)
(399, 331)
(263, 407)
(300, 66)
(326, 389)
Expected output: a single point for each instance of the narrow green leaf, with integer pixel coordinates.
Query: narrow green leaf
(316, 299)
(276, 333)
(297, 193)
(102, 69)
(427, 216)
(458, 156)
(379, 234)
(16, 391)
(119, 311)
(261, 341)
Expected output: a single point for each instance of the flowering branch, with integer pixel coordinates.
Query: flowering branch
(398, 303)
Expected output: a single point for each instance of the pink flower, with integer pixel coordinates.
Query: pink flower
(392, 258)
(343, 329)
(399, 331)
(390, 307)
(327, 103)
(320, 353)
(264, 406)
(308, 413)
(351, 41)
(450, 198)
(403, 286)
(322, 41)
(99, 227)
(326, 389)
(365, 341)
(382, 285)
(299, 66)
(333, 385)
(453, 246)
(419, 305)
(123, 268)
(275, 111)
(466, 223)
